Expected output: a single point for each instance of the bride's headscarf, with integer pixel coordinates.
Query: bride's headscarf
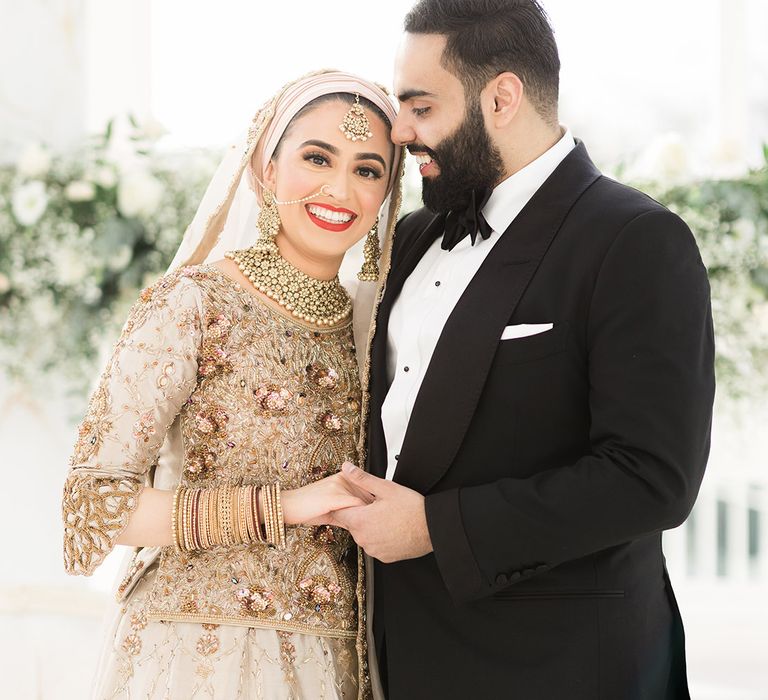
(226, 217)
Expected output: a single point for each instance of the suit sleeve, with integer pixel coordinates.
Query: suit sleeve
(651, 376)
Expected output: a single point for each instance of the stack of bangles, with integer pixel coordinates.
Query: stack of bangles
(226, 515)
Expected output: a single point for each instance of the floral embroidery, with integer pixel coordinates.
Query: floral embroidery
(211, 421)
(144, 428)
(165, 375)
(192, 361)
(200, 463)
(272, 399)
(324, 377)
(215, 357)
(207, 644)
(254, 601)
(132, 644)
(133, 569)
(330, 422)
(323, 535)
(318, 591)
(139, 620)
(95, 510)
(95, 426)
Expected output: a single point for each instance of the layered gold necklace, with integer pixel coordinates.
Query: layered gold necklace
(322, 302)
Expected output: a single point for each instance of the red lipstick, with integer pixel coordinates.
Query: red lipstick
(327, 225)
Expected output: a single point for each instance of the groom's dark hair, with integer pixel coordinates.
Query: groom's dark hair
(489, 37)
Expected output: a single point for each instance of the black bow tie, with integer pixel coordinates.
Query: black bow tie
(462, 223)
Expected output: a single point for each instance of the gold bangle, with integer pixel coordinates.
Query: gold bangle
(205, 542)
(242, 506)
(225, 505)
(233, 515)
(174, 519)
(196, 539)
(183, 520)
(268, 522)
(189, 544)
(213, 518)
(256, 513)
(246, 496)
(279, 515)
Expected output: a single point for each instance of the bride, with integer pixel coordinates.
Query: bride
(213, 441)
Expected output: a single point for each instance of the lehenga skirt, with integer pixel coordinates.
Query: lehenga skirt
(154, 660)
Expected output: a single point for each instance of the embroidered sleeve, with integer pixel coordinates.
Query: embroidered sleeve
(151, 374)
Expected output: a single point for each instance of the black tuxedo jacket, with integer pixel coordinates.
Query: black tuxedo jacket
(551, 464)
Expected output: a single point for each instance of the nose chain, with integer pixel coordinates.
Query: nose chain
(320, 193)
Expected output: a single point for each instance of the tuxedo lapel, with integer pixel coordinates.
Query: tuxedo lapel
(402, 267)
(457, 372)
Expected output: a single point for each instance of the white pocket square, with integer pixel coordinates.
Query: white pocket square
(523, 330)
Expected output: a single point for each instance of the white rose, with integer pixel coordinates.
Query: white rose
(5, 283)
(120, 258)
(29, 202)
(745, 229)
(70, 267)
(80, 191)
(139, 194)
(104, 176)
(34, 161)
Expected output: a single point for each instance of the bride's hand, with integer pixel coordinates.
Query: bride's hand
(309, 504)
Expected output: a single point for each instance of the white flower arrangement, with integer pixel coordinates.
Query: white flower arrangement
(80, 234)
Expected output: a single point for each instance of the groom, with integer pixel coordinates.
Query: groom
(541, 390)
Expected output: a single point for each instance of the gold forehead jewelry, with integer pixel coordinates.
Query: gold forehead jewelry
(356, 126)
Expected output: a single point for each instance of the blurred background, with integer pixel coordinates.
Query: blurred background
(112, 116)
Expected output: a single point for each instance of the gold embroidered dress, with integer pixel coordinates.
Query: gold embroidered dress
(209, 386)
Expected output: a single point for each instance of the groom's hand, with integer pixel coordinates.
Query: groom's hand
(393, 527)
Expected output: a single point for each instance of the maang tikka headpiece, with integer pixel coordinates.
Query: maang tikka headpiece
(356, 126)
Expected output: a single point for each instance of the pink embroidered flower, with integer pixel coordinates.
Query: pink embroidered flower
(273, 399)
(199, 463)
(330, 421)
(324, 377)
(318, 591)
(254, 601)
(144, 428)
(212, 421)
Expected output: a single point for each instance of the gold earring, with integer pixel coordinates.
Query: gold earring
(371, 253)
(268, 224)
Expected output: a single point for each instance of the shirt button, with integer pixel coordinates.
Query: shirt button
(406, 369)
(437, 284)
(397, 456)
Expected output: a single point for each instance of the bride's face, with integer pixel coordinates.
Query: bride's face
(315, 153)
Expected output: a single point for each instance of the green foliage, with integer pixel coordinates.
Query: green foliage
(95, 227)
(730, 221)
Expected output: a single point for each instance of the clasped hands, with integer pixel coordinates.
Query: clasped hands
(386, 519)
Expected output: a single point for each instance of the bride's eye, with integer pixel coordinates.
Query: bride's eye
(316, 158)
(369, 173)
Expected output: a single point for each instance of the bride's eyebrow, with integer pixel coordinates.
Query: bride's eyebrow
(321, 144)
(335, 151)
(371, 156)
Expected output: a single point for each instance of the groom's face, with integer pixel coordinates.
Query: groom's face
(444, 129)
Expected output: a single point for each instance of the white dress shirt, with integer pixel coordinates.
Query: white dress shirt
(435, 286)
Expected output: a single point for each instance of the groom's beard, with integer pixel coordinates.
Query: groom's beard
(467, 159)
